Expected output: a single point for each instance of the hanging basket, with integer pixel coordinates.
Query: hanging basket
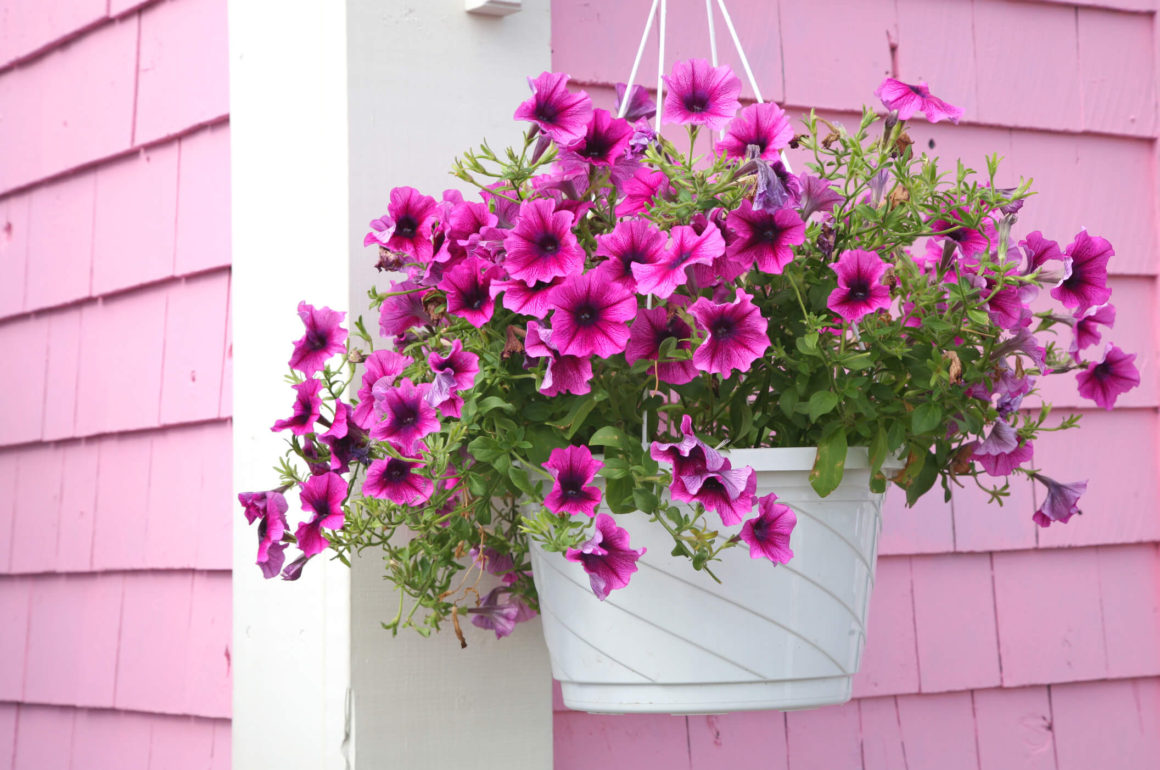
(766, 637)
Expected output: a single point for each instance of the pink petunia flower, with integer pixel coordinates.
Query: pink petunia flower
(860, 290)
(1039, 250)
(1087, 282)
(736, 334)
(1005, 463)
(768, 533)
(1106, 381)
(468, 289)
(765, 237)
(1086, 331)
(407, 226)
(764, 125)
(324, 338)
(404, 311)
(606, 557)
(636, 241)
(381, 364)
(701, 95)
(519, 297)
(685, 248)
(637, 193)
(651, 328)
(499, 611)
(817, 194)
(573, 468)
(729, 492)
(590, 316)
(1061, 501)
(396, 480)
(559, 113)
(269, 510)
(542, 246)
(346, 440)
(406, 415)
(306, 409)
(604, 142)
(564, 374)
(908, 99)
(323, 496)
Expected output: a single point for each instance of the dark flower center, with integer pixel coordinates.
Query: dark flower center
(859, 291)
(548, 243)
(915, 90)
(406, 226)
(316, 339)
(697, 101)
(769, 233)
(959, 234)
(723, 328)
(597, 146)
(396, 471)
(587, 314)
(760, 529)
(406, 415)
(546, 111)
(475, 297)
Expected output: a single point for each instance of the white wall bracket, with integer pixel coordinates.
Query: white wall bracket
(492, 7)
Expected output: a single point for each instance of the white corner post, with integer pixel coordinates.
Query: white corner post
(332, 104)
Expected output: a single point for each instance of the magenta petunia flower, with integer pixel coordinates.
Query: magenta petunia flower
(519, 297)
(1061, 502)
(348, 445)
(379, 365)
(590, 317)
(730, 492)
(500, 610)
(908, 99)
(700, 94)
(573, 468)
(768, 533)
(817, 194)
(685, 248)
(766, 237)
(651, 328)
(559, 113)
(396, 480)
(603, 143)
(641, 106)
(406, 415)
(636, 241)
(468, 289)
(564, 374)
(765, 126)
(542, 246)
(306, 409)
(1039, 250)
(323, 496)
(637, 193)
(606, 557)
(1086, 323)
(860, 290)
(688, 454)
(1087, 283)
(494, 563)
(269, 510)
(968, 241)
(735, 334)
(454, 372)
(1105, 381)
(324, 338)
(404, 311)
(1005, 463)
(407, 226)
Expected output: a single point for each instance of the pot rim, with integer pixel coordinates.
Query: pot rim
(796, 459)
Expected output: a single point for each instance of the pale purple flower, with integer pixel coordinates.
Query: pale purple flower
(736, 334)
(396, 480)
(1106, 381)
(909, 99)
(564, 374)
(1002, 439)
(767, 237)
(860, 290)
(700, 94)
(500, 611)
(776, 187)
(765, 126)
(635, 241)
(1087, 284)
(590, 317)
(379, 365)
(406, 415)
(640, 104)
(573, 469)
(1061, 502)
(454, 372)
(542, 246)
(685, 248)
(817, 195)
(768, 533)
(324, 338)
(606, 557)
(323, 496)
(651, 328)
(306, 409)
(407, 226)
(1005, 463)
(559, 113)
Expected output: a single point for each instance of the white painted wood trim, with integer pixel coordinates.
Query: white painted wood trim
(290, 182)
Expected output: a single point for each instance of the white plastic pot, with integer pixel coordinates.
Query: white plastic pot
(767, 637)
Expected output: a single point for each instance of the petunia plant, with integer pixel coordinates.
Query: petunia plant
(589, 336)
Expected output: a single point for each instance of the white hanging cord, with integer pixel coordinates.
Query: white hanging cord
(740, 50)
(712, 32)
(661, 66)
(636, 62)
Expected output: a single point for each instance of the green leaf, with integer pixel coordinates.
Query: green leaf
(788, 401)
(923, 481)
(859, 362)
(645, 500)
(576, 419)
(821, 403)
(619, 495)
(830, 462)
(925, 418)
(607, 436)
(519, 477)
(878, 449)
(494, 402)
(484, 449)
